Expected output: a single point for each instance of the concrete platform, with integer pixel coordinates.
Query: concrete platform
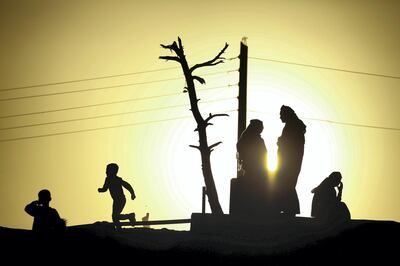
(278, 231)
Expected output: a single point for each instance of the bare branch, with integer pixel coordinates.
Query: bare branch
(166, 46)
(215, 61)
(211, 116)
(201, 80)
(180, 43)
(174, 58)
(215, 145)
(173, 46)
(194, 146)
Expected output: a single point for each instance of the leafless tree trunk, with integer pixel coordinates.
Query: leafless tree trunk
(202, 123)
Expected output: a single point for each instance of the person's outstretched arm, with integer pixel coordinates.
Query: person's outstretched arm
(104, 188)
(129, 188)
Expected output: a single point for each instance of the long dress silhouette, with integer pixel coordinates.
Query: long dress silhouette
(290, 154)
(252, 151)
(252, 155)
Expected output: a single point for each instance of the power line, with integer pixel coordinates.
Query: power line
(336, 122)
(110, 103)
(86, 90)
(326, 68)
(94, 129)
(352, 124)
(115, 114)
(104, 88)
(87, 79)
(101, 128)
(96, 78)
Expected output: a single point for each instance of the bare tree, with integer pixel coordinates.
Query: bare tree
(202, 124)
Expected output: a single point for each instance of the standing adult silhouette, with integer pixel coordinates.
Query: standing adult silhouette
(252, 151)
(46, 220)
(290, 156)
(115, 184)
(252, 155)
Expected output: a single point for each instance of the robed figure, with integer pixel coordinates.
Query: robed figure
(290, 156)
(252, 181)
(327, 205)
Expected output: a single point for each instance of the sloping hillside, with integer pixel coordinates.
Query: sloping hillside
(365, 242)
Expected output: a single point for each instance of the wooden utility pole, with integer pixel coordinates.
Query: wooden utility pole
(236, 198)
(203, 200)
(242, 86)
(242, 106)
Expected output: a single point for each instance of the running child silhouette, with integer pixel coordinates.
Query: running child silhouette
(115, 183)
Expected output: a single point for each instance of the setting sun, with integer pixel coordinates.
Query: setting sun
(272, 162)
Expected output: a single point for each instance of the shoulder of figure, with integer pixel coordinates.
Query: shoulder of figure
(55, 213)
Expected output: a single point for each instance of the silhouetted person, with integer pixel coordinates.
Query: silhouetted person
(252, 155)
(115, 185)
(46, 220)
(146, 219)
(252, 151)
(327, 203)
(290, 154)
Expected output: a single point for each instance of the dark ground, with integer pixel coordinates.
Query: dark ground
(357, 243)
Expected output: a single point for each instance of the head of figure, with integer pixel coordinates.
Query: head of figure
(112, 169)
(44, 197)
(335, 178)
(256, 126)
(287, 114)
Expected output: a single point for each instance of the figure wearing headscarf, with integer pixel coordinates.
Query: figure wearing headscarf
(290, 154)
(252, 155)
(327, 203)
(252, 151)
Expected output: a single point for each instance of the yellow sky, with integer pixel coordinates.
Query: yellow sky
(52, 41)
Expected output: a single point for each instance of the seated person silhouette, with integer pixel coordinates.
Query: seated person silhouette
(327, 205)
(46, 219)
(146, 219)
(115, 184)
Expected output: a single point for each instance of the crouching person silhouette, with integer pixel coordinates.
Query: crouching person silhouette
(115, 184)
(327, 205)
(46, 220)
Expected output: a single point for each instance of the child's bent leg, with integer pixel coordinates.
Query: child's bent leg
(131, 217)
